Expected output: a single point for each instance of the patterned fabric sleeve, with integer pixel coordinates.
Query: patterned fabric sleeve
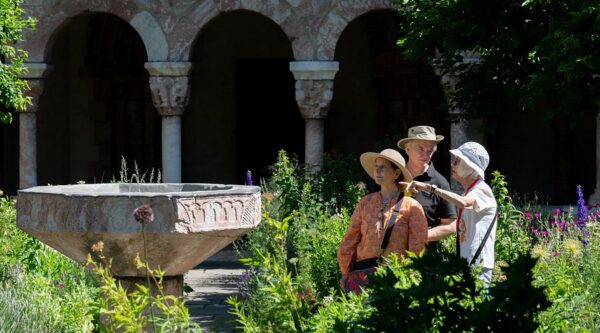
(347, 249)
(417, 228)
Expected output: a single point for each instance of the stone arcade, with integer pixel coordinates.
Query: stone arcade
(190, 86)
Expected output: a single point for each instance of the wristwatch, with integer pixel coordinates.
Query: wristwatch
(433, 188)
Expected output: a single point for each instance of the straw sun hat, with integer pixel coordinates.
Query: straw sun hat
(367, 160)
(426, 133)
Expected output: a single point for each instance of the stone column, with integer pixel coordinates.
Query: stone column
(170, 87)
(314, 91)
(595, 198)
(459, 126)
(35, 76)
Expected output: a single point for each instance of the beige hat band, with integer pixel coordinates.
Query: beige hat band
(425, 133)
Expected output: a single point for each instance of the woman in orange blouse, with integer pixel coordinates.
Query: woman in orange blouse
(370, 218)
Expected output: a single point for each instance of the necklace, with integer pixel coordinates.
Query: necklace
(386, 200)
(384, 203)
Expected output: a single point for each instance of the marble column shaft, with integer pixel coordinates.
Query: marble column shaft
(35, 76)
(170, 87)
(314, 92)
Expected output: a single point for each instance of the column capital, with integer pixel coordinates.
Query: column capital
(314, 97)
(314, 70)
(170, 86)
(314, 86)
(36, 70)
(36, 74)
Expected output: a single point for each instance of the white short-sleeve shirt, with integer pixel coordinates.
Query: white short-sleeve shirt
(474, 224)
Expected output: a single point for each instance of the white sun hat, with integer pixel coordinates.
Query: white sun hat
(474, 155)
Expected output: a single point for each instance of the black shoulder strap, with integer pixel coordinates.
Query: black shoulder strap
(487, 234)
(393, 218)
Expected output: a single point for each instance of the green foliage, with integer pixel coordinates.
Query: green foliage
(40, 289)
(279, 303)
(512, 237)
(571, 276)
(530, 52)
(136, 175)
(317, 243)
(336, 186)
(12, 59)
(126, 312)
(294, 280)
(437, 292)
(33, 303)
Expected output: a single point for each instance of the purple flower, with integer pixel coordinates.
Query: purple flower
(244, 283)
(143, 214)
(554, 254)
(527, 216)
(581, 209)
(536, 215)
(249, 181)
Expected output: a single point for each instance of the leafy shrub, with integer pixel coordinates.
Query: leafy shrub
(40, 289)
(512, 237)
(570, 273)
(128, 311)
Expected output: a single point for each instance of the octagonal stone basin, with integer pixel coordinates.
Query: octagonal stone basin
(191, 221)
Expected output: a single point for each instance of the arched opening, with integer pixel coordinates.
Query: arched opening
(241, 85)
(9, 156)
(96, 105)
(379, 94)
(543, 157)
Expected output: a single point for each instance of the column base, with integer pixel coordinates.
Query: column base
(172, 285)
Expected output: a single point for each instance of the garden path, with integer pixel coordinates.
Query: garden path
(213, 282)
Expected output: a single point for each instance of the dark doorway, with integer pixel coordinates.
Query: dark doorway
(242, 107)
(265, 88)
(96, 105)
(379, 94)
(9, 156)
(544, 158)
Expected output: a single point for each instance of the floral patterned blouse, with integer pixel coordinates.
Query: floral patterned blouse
(363, 240)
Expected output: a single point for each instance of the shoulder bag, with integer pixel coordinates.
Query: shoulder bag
(358, 277)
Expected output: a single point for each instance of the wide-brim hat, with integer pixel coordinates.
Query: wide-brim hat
(474, 155)
(426, 133)
(367, 160)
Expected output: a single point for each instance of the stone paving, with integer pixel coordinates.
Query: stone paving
(213, 282)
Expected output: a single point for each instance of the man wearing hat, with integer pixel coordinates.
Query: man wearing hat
(420, 145)
(475, 225)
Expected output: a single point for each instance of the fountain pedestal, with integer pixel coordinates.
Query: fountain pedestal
(191, 223)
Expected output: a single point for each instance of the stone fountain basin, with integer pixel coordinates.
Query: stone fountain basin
(191, 221)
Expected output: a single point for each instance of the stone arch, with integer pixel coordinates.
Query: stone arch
(336, 21)
(96, 104)
(53, 15)
(240, 81)
(378, 93)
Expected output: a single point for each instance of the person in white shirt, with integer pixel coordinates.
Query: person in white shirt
(477, 208)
